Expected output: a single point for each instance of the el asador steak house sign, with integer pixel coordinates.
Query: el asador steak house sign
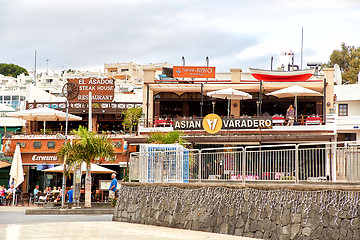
(102, 89)
(213, 123)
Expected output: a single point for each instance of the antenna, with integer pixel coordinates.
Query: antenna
(35, 70)
(302, 46)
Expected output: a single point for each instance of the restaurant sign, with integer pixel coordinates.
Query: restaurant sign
(213, 123)
(193, 72)
(102, 89)
(39, 158)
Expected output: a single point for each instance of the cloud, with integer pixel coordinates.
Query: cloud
(84, 35)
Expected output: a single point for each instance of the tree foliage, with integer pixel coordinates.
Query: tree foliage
(167, 138)
(348, 59)
(12, 70)
(87, 147)
(131, 118)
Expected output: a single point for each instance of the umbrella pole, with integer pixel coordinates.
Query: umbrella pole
(296, 108)
(14, 196)
(228, 107)
(44, 126)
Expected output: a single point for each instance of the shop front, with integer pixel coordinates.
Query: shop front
(40, 152)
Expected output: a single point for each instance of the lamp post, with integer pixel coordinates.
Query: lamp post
(183, 60)
(64, 165)
(47, 66)
(202, 90)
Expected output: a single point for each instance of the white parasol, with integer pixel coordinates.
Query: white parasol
(94, 168)
(296, 91)
(6, 108)
(16, 171)
(43, 114)
(228, 94)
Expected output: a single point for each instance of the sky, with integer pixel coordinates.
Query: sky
(85, 34)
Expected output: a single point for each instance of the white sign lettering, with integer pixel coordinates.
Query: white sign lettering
(212, 123)
(43, 158)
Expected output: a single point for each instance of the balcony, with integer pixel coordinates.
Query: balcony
(83, 107)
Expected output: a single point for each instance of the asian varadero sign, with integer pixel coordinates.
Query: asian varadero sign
(193, 72)
(102, 89)
(213, 123)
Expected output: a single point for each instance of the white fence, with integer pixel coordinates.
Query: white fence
(314, 162)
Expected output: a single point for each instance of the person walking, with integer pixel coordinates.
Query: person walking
(113, 186)
(70, 194)
(290, 113)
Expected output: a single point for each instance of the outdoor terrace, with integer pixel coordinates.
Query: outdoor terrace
(279, 124)
(83, 107)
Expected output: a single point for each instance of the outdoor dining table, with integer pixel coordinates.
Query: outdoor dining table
(278, 120)
(313, 121)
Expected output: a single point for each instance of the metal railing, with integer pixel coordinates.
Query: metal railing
(164, 166)
(311, 162)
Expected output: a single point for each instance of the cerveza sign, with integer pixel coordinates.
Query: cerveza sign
(44, 158)
(212, 123)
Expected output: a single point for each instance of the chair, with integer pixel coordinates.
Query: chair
(8, 200)
(24, 197)
(41, 199)
(32, 198)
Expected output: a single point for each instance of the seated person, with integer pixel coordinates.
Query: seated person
(58, 198)
(36, 190)
(47, 191)
(2, 195)
(54, 193)
(11, 190)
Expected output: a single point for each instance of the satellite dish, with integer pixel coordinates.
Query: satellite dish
(337, 75)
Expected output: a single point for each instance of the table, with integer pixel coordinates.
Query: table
(313, 121)
(278, 120)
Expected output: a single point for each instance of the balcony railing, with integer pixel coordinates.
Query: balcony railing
(82, 107)
(166, 123)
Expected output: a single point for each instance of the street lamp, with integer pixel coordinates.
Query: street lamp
(47, 66)
(213, 104)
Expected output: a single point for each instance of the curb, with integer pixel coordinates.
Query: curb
(68, 211)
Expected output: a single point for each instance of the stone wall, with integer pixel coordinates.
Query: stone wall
(280, 213)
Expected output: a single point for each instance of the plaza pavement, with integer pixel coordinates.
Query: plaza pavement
(15, 225)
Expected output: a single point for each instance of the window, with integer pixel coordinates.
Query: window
(37, 144)
(124, 70)
(343, 109)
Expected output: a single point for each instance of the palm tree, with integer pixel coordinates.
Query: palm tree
(87, 147)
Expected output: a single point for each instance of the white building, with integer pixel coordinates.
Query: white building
(132, 72)
(347, 111)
